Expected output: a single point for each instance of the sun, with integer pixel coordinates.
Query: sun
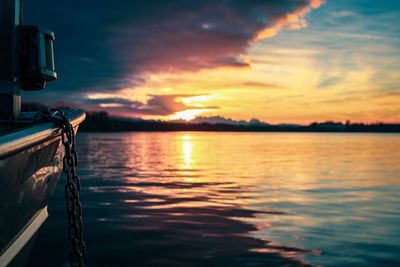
(187, 115)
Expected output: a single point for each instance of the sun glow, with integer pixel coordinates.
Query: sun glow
(187, 115)
(196, 99)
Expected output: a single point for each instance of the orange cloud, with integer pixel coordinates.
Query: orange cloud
(291, 21)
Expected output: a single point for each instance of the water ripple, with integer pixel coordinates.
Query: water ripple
(233, 199)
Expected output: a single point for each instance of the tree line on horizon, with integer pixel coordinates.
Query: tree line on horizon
(101, 121)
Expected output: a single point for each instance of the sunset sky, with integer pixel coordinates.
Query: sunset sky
(293, 61)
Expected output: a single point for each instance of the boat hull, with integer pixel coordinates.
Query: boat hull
(28, 178)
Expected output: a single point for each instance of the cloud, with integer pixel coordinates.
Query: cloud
(156, 105)
(263, 85)
(107, 45)
(330, 82)
(345, 14)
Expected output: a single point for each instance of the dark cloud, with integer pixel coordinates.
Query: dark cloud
(105, 45)
(157, 105)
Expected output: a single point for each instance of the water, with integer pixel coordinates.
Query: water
(233, 199)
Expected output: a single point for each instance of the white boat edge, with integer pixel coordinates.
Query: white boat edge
(23, 138)
(23, 237)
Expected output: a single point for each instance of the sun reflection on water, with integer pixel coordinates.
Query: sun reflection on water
(187, 146)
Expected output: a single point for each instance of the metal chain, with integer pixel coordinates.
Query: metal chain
(72, 187)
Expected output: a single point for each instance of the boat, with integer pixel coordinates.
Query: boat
(35, 147)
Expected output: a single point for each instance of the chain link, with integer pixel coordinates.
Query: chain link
(72, 186)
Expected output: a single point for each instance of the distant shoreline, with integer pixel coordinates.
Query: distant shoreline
(211, 131)
(102, 122)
